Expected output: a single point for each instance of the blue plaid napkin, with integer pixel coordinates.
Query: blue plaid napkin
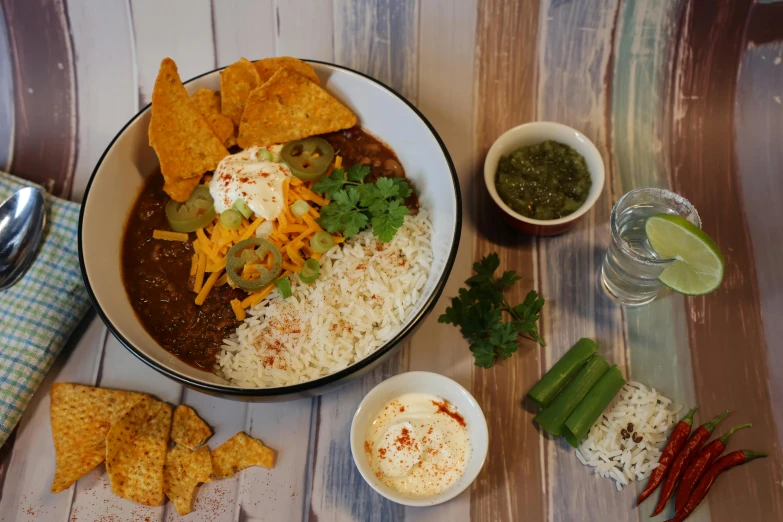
(39, 313)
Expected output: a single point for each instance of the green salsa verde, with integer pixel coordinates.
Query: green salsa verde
(548, 180)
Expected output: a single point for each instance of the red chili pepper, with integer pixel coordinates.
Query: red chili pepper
(735, 458)
(699, 466)
(677, 440)
(685, 457)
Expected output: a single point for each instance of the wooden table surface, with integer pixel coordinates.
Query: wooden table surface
(684, 94)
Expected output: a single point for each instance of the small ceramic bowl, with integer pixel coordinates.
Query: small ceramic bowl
(531, 134)
(434, 384)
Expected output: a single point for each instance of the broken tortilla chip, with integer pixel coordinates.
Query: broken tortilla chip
(208, 104)
(181, 190)
(236, 82)
(239, 452)
(178, 486)
(198, 465)
(183, 140)
(188, 429)
(81, 417)
(290, 107)
(136, 452)
(269, 66)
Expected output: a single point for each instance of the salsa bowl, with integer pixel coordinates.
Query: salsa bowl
(531, 134)
(129, 160)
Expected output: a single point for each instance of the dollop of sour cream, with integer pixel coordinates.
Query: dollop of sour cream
(259, 183)
(418, 444)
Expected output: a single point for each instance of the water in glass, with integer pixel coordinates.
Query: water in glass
(631, 268)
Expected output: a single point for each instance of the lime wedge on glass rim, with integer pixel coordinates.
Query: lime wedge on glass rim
(698, 265)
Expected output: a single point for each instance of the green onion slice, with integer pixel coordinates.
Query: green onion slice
(265, 155)
(241, 207)
(197, 212)
(231, 219)
(321, 242)
(308, 159)
(300, 208)
(253, 251)
(284, 286)
(310, 271)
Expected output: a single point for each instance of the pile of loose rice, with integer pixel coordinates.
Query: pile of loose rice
(622, 459)
(363, 295)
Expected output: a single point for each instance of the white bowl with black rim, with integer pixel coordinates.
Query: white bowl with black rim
(120, 175)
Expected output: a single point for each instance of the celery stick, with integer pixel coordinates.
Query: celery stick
(559, 374)
(592, 406)
(553, 416)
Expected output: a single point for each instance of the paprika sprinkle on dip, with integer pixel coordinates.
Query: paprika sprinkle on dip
(421, 444)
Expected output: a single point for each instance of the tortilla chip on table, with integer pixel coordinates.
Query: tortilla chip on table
(182, 138)
(236, 82)
(198, 465)
(239, 452)
(81, 417)
(136, 452)
(269, 66)
(177, 484)
(188, 429)
(290, 107)
(208, 104)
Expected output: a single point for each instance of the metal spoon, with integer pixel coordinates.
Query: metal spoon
(22, 220)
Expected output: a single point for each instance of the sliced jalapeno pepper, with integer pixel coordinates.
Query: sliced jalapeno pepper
(197, 212)
(308, 159)
(245, 252)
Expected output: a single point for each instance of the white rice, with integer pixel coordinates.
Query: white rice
(364, 293)
(624, 460)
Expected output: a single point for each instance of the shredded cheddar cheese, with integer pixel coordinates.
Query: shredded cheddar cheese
(169, 236)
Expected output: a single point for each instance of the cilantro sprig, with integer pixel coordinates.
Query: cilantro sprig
(354, 204)
(479, 309)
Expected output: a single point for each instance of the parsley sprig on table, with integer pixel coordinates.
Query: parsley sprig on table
(479, 309)
(354, 203)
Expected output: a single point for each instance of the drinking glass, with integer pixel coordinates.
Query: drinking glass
(631, 267)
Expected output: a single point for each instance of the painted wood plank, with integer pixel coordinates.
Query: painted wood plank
(121, 370)
(297, 18)
(279, 494)
(575, 49)
(369, 35)
(446, 80)
(657, 334)
(379, 38)
(706, 172)
(6, 97)
(215, 501)
(243, 28)
(759, 131)
(30, 472)
(179, 29)
(509, 486)
(107, 93)
(339, 493)
(44, 93)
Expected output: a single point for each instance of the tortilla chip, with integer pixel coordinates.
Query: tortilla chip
(188, 429)
(177, 485)
(290, 107)
(136, 452)
(236, 82)
(269, 66)
(81, 417)
(181, 137)
(208, 104)
(239, 452)
(181, 190)
(198, 465)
